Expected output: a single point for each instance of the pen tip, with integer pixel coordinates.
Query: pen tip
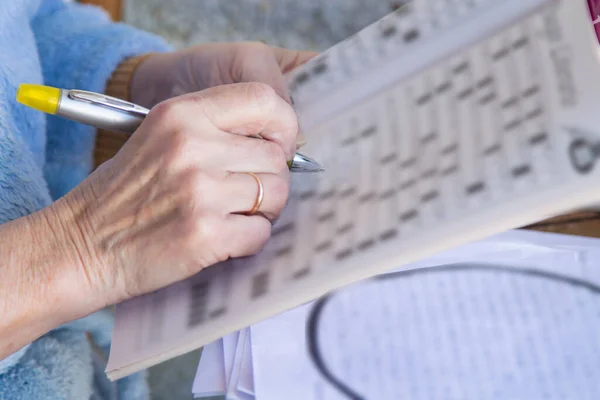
(301, 163)
(313, 166)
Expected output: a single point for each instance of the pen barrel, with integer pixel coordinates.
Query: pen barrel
(98, 116)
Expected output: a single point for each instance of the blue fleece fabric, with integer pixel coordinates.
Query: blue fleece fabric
(73, 46)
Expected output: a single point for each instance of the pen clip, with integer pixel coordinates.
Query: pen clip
(107, 101)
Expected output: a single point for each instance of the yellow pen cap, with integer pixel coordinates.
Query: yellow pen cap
(42, 98)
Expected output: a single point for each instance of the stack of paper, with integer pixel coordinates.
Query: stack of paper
(225, 368)
(443, 123)
(512, 317)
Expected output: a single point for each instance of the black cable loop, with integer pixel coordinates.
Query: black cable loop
(312, 324)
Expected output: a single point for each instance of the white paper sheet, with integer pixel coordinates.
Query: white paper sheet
(232, 390)
(278, 357)
(460, 334)
(246, 378)
(216, 367)
(234, 361)
(210, 379)
(230, 343)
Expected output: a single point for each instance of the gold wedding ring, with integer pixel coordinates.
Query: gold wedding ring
(259, 197)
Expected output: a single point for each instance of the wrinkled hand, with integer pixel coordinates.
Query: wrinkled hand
(167, 75)
(175, 199)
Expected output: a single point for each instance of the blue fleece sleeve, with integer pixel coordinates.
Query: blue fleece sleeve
(79, 47)
(22, 191)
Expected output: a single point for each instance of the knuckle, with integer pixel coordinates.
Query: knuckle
(204, 102)
(180, 140)
(263, 95)
(254, 49)
(177, 147)
(166, 112)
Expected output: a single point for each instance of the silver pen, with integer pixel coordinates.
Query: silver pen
(109, 113)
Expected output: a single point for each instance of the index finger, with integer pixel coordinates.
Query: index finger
(271, 70)
(248, 109)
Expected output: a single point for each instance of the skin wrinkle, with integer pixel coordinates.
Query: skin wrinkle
(252, 150)
(110, 204)
(35, 280)
(80, 250)
(144, 172)
(107, 206)
(220, 73)
(83, 225)
(189, 71)
(226, 120)
(27, 276)
(287, 67)
(119, 191)
(80, 260)
(156, 205)
(144, 239)
(236, 67)
(121, 225)
(138, 241)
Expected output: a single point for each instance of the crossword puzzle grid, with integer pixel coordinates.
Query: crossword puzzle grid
(468, 131)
